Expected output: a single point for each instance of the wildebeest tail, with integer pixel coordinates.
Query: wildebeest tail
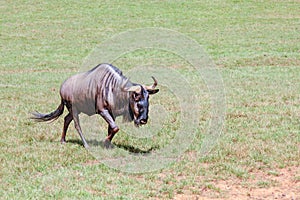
(40, 117)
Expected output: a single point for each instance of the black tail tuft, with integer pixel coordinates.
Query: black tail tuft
(39, 117)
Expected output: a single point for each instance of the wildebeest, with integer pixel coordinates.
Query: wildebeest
(105, 91)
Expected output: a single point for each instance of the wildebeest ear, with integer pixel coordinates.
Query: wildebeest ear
(153, 91)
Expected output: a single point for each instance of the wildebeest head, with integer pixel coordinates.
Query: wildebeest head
(139, 101)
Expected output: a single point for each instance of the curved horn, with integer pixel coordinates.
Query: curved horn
(124, 84)
(135, 88)
(152, 86)
(155, 82)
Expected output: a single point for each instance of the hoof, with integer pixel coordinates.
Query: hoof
(86, 146)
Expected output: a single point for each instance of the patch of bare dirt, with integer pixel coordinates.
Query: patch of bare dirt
(280, 184)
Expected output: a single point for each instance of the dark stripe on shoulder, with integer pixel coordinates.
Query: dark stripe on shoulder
(115, 69)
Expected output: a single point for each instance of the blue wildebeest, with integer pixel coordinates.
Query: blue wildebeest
(105, 91)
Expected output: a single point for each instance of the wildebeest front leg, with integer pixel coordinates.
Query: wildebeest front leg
(112, 127)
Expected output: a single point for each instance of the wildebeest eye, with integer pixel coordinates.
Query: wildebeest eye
(136, 96)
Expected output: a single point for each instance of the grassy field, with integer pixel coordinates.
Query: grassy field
(256, 47)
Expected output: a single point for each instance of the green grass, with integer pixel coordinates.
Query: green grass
(255, 45)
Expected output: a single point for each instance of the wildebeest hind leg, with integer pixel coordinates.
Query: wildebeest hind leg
(67, 122)
(78, 128)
